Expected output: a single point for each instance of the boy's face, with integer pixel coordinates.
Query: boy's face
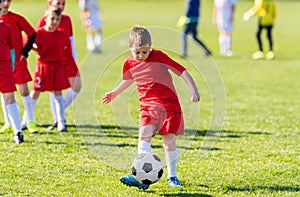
(59, 3)
(52, 20)
(5, 5)
(141, 53)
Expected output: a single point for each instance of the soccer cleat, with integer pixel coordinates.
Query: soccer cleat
(130, 181)
(6, 129)
(53, 126)
(61, 127)
(174, 182)
(270, 55)
(32, 128)
(227, 54)
(23, 127)
(258, 55)
(19, 138)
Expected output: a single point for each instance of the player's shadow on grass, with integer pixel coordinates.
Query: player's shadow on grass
(106, 132)
(188, 132)
(181, 194)
(223, 133)
(269, 188)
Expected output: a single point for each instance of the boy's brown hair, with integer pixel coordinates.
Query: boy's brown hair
(139, 37)
(53, 9)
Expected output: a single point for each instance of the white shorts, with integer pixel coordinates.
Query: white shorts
(93, 21)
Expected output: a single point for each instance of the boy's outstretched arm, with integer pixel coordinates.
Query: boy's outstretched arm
(195, 96)
(109, 96)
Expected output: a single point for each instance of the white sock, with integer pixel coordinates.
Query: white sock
(171, 160)
(144, 147)
(227, 43)
(14, 117)
(90, 43)
(60, 110)
(69, 96)
(25, 118)
(5, 115)
(52, 106)
(98, 39)
(222, 44)
(27, 103)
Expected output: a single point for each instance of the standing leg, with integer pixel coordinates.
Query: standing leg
(28, 109)
(7, 126)
(270, 55)
(53, 111)
(258, 37)
(13, 116)
(259, 54)
(171, 153)
(270, 39)
(60, 111)
(184, 34)
(195, 37)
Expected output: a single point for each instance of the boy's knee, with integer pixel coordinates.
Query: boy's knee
(169, 141)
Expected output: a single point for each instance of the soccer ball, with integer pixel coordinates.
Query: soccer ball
(147, 168)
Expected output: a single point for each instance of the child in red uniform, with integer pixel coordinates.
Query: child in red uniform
(21, 72)
(7, 84)
(159, 106)
(49, 74)
(71, 69)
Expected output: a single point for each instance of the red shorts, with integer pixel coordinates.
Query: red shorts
(71, 69)
(7, 83)
(166, 121)
(49, 77)
(21, 73)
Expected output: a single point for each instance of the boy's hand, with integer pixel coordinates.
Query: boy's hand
(195, 97)
(107, 98)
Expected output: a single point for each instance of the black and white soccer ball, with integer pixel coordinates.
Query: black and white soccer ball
(147, 168)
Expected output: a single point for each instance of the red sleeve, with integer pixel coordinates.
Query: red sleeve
(171, 64)
(70, 26)
(26, 27)
(126, 70)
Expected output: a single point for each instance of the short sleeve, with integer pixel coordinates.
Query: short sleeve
(126, 70)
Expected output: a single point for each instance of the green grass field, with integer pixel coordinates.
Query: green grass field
(242, 139)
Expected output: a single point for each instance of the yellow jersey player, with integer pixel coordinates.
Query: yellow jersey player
(266, 10)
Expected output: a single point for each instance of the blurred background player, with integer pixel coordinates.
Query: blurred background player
(7, 84)
(21, 73)
(51, 46)
(266, 11)
(223, 17)
(71, 69)
(160, 110)
(192, 9)
(90, 15)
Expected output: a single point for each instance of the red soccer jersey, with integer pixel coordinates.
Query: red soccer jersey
(154, 82)
(51, 46)
(65, 24)
(49, 71)
(6, 42)
(18, 25)
(7, 83)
